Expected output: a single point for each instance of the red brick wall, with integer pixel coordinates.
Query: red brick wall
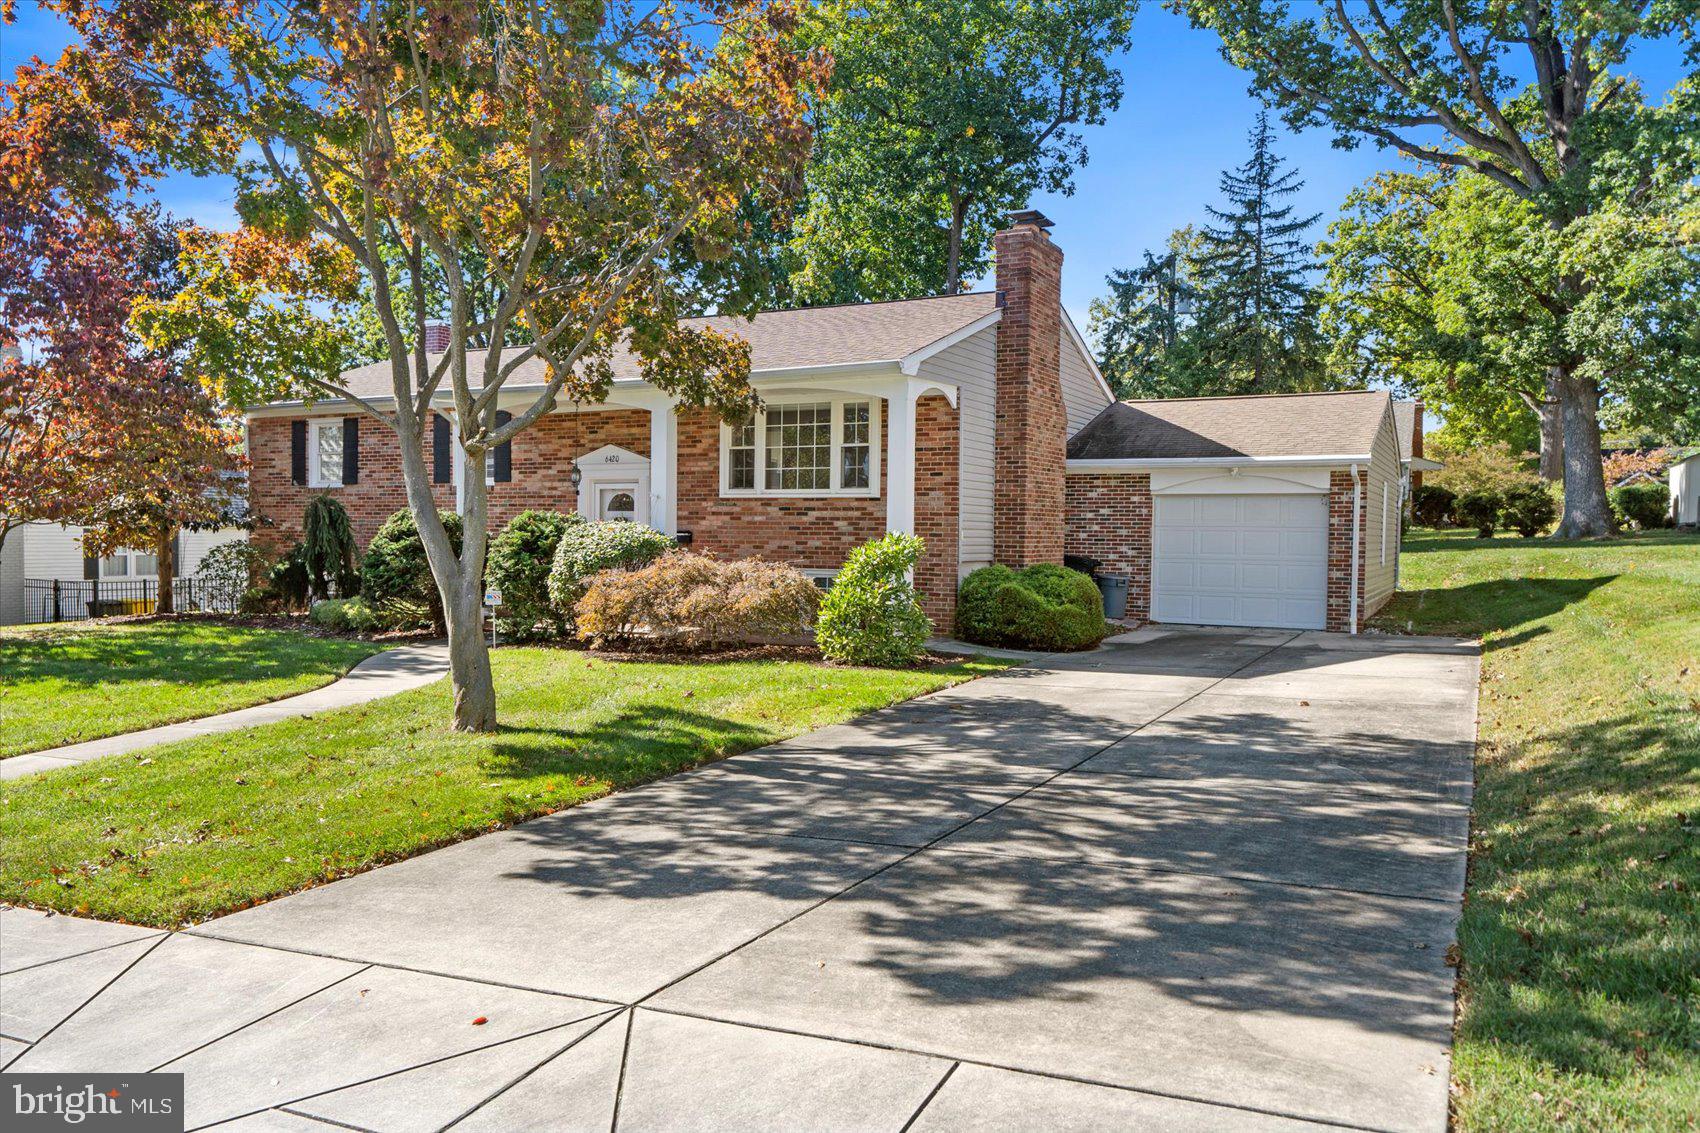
(374, 499)
(1031, 424)
(1340, 565)
(1109, 519)
(937, 506)
(806, 532)
(543, 458)
(542, 463)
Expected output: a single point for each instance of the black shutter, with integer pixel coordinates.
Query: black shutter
(298, 452)
(177, 555)
(504, 451)
(351, 450)
(442, 469)
(91, 567)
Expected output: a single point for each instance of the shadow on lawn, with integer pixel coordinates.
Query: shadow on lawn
(1004, 926)
(1493, 604)
(186, 655)
(1583, 936)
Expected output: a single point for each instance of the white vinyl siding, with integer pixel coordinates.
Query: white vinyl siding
(47, 551)
(1083, 395)
(1381, 520)
(971, 366)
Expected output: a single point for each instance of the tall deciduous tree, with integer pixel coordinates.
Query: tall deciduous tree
(584, 157)
(1521, 94)
(943, 117)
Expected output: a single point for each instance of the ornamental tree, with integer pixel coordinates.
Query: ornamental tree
(1520, 93)
(580, 160)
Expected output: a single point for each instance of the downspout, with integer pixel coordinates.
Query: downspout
(1357, 540)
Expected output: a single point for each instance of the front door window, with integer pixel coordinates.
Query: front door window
(616, 503)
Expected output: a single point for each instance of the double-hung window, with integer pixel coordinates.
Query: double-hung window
(325, 454)
(805, 448)
(130, 564)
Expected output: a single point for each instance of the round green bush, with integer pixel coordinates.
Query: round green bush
(1043, 606)
(395, 575)
(1646, 505)
(1528, 511)
(521, 557)
(345, 615)
(1431, 505)
(872, 615)
(1479, 510)
(585, 548)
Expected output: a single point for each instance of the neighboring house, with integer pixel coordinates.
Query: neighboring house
(36, 555)
(948, 417)
(1685, 491)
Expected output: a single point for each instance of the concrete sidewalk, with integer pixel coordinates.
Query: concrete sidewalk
(1203, 881)
(382, 674)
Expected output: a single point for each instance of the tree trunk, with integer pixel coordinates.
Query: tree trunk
(1551, 414)
(166, 558)
(469, 657)
(953, 260)
(1587, 512)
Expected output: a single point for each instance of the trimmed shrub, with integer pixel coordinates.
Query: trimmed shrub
(345, 615)
(1479, 510)
(872, 615)
(1043, 606)
(692, 601)
(395, 577)
(1528, 511)
(1645, 505)
(257, 600)
(1431, 506)
(585, 549)
(520, 560)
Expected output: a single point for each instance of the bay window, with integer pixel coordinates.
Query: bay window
(818, 447)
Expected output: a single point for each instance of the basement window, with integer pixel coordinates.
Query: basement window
(819, 447)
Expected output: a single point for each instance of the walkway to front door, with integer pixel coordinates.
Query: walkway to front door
(1206, 881)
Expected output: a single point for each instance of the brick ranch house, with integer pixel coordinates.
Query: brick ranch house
(976, 421)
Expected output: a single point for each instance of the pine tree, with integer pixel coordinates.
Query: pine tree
(1256, 312)
(1144, 326)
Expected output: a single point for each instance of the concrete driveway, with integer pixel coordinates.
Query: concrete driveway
(1204, 880)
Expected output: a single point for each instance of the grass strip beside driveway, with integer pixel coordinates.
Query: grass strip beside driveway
(68, 683)
(1580, 987)
(217, 823)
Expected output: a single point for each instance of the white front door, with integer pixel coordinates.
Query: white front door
(1241, 560)
(613, 484)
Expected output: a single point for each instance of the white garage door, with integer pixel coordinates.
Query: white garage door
(1253, 560)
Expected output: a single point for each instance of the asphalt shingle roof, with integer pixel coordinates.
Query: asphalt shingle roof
(1289, 425)
(781, 340)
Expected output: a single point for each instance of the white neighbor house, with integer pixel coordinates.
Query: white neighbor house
(44, 552)
(1685, 491)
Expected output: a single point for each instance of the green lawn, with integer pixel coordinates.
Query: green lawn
(215, 824)
(1580, 984)
(66, 683)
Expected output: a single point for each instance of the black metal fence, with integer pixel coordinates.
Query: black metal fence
(60, 600)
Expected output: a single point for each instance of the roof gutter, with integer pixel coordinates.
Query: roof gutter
(1141, 464)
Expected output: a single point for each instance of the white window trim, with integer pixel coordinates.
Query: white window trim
(838, 402)
(129, 555)
(315, 469)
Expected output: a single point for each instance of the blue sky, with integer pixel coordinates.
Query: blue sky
(1154, 164)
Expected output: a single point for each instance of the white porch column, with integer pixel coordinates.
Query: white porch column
(663, 467)
(900, 458)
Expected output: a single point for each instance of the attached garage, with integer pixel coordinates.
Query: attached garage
(1277, 512)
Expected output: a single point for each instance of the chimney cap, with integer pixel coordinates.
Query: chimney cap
(1031, 216)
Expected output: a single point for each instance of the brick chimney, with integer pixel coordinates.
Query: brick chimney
(436, 337)
(1032, 426)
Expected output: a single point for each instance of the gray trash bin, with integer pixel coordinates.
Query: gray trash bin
(1114, 589)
